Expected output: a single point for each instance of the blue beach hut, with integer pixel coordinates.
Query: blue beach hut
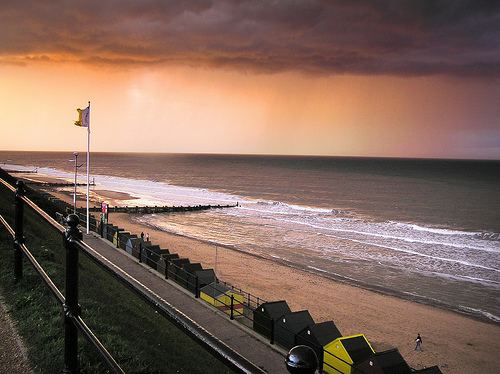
(130, 244)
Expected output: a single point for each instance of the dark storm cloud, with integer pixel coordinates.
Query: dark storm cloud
(327, 37)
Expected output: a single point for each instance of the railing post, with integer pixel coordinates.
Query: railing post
(71, 307)
(197, 287)
(19, 235)
(272, 331)
(232, 306)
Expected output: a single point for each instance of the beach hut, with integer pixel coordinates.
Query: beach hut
(163, 262)
(287, 326)
(137, 247)
(223, 298)
(265, 315)
(146, 248)
(184, 272)
(430, 370)
(317, 336)
(205, 276)
(151, 255)
(154, 258)
(130, 244)
(109, 231)
(342, 353)
(123, 238)
(386, 362)
(174, 266)
(117, 236)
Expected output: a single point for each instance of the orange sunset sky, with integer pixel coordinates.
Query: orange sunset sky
(342, 78)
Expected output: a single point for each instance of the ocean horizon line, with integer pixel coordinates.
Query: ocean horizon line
(299, 155)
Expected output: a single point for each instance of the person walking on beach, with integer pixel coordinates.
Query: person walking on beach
(147, 237)
(418, 340)
(142, 235)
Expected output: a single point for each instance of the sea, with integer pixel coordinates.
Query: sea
(420, 229)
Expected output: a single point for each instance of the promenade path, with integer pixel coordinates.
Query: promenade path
(237, 336)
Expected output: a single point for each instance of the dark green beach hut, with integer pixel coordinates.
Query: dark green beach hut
(386, 362)
(287, 326)
(317, 336)
(205, 276)
(151, 255)
(185, 271)
(265, 315)
(163, 263)
(175, 265)
(137, 247)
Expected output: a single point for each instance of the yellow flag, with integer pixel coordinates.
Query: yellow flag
(83, 117)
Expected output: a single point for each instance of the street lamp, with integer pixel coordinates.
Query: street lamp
(76, 171)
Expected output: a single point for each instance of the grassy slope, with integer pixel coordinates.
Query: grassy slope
(138, 338)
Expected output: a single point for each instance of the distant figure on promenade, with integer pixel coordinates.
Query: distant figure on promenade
(418, 340)
(147, 237)
(142, 235)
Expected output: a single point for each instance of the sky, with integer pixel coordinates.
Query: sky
(375, 78)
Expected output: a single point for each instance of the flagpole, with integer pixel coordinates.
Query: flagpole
(88, 166)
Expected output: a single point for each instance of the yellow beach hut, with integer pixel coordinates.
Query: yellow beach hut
(220, 296)
(116, 236)
(340, 355)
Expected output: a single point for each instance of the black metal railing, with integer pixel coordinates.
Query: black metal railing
(72, 319)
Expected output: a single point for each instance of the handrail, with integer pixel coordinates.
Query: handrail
(52, 287)
(35, 207)
(7, 226)
(74, 318)
(103, 352)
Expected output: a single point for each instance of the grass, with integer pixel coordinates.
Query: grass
(139, 339)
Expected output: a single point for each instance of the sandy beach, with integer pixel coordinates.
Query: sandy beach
(454, 342)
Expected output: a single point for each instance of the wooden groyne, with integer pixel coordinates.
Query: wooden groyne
(21, 171)
(57, 184)
(157, 209)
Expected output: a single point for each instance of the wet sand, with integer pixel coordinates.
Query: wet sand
(456, 343)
